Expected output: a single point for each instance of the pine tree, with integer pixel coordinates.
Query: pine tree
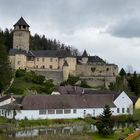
(105, 123)
(122, 72)
(5, 69)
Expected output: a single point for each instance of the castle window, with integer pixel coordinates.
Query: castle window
(18, 62)
(42, 59)
(37, 59)
(50, 66)
(36, 66)
(24, 27)
(107, 69)
(93, 69)
(43, 67)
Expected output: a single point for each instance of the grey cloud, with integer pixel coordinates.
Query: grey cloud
(126, 28)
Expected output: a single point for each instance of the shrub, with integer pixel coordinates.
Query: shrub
(38, 79)
(20, 73)
(17, 90)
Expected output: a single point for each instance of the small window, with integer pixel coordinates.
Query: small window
(118, 110)
(42, 59)
(84, 112)
(37, 59)
(67, 111)
(59, 111)
(128, 110)
(107, 69)
(18, 62)
(24, 27)
(2, 112)
(51, 111)
(74, 111)
(122, 110)
(43, 67)
(42, 112)
(51, 59)
(50, 66)
(93, 69)
(19, 26)
(36, 66)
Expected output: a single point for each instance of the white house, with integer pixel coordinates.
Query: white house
(4, 100)
(70, 106)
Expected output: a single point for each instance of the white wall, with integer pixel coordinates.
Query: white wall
(123, 101)
(34, 114)
(5, 102)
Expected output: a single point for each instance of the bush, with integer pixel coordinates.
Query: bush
(20, 73)
(17, 90)
(38, 79)
(29, 76)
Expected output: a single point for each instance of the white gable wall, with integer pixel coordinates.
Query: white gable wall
(123, 103)
(5, 102)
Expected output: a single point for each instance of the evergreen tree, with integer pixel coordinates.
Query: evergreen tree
(5, 69)
(105, 123)
(122, 72)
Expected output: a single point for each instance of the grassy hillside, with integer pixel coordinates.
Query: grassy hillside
(25, 81)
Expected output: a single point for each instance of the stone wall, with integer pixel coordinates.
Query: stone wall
(99, 81)
(91, 70)
(55, 75)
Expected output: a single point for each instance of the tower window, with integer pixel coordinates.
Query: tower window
(24, 27)
(50, 66)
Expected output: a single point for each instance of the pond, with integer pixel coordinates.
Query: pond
(56, 133)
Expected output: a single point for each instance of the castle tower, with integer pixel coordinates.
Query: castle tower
(21, 35)
(65, 70)
(84, 57)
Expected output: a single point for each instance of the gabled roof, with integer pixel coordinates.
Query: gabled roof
(3, 98)
(21, 21)
(85, 54)
(34, 102)
(13, 52)
(52, 53)
(92, 59)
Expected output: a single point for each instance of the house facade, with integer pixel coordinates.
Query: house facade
(35, 107)
(137, 104)
(59, 62)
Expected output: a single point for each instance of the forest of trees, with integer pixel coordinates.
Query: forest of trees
(5, 69)
(38, 42)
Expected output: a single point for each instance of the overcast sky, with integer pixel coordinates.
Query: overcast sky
(107, 28)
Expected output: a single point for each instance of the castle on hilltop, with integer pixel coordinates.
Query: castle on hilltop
(58, 64)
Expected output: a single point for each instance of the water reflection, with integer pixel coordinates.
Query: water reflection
(67, 130)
